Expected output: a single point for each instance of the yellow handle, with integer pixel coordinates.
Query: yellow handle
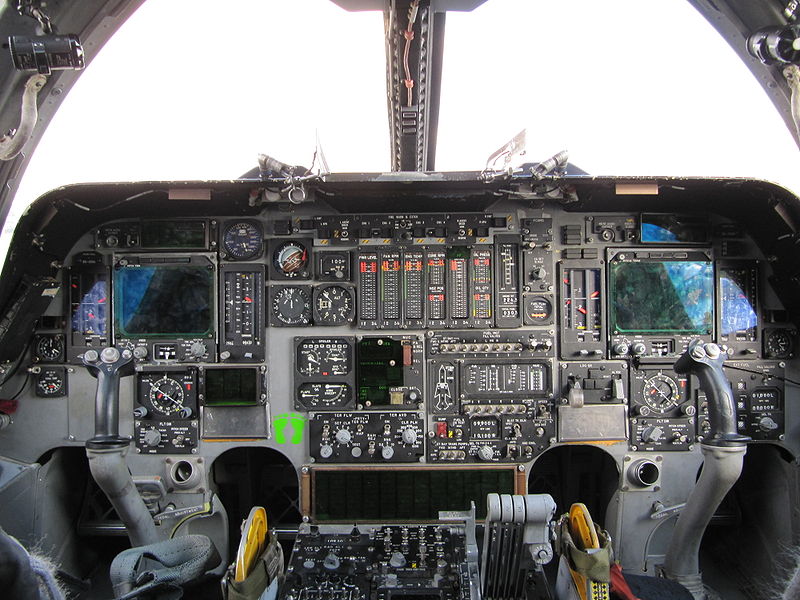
(252, 544)
(581, 526)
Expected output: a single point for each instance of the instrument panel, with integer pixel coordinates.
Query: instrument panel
(457, 338)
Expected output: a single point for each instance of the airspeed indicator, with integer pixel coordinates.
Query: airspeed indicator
(242, 240)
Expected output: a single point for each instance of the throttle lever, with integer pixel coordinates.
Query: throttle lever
(108, 366)
(705, 360)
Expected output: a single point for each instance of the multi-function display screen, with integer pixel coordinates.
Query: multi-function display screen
(662, 297)
(164, 301)
(88, 302)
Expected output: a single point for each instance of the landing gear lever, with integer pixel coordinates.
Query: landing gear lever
(723, 451)
(107, 450)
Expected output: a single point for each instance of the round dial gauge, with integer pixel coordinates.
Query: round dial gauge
(538, 309)
(333, 305)
(49, 347)
(778, 344)
(661, 393)
(292, 306)
(291, 259)
(50, 383)
(166, 396)
(339, 360)
(324, 357)
(324, 395)
(242, 240)
(308, 363)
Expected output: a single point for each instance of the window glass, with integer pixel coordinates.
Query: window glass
(627, 87)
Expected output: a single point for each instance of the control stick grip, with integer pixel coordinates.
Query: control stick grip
(107, 366)
(705, 360)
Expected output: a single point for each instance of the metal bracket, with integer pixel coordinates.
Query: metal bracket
(790, 9)
(662, 512)
(792, 75)
(508, 152)
(33, 9)
(14, 141)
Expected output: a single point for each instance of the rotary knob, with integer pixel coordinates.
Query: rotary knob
(767, 424)
(409, 436)
(538, 273)
(638, 348)
(198, 349)
(397, 560)
(387, 452)
(331, 562)
(152, 438)
(485, 453)
(325, 451)
(621, 348)
(343, 436)
(140, 352)
(652, 434)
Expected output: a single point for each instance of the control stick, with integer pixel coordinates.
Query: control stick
(108, 366)
(107, 450)
(723, 452)
(705, 362)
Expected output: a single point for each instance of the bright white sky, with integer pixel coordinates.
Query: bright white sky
(195, 89)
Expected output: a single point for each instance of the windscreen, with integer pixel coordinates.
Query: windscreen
(163, 301)
(674, 229)
(669, 297)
